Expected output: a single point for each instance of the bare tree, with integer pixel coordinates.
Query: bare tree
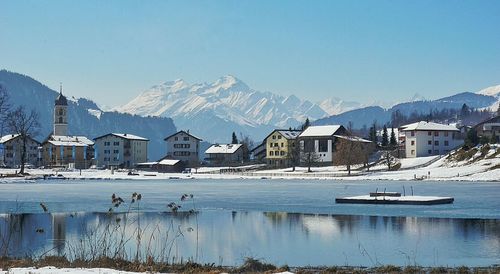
(293, 155)
(248, 145)
(25, 124)
(309, 158)
(348, 153)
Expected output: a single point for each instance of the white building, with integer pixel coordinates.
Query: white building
(11, 150)
(428, 138)
(320, 139)
(120, 150)
(185, 147)
(224, 154)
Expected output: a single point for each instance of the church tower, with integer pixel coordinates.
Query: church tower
(61, 115)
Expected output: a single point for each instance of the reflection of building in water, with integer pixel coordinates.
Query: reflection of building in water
(59, 231)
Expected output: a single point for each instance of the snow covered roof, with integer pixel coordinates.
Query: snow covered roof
(423, 125)
(318, 131)
(124, 136)
(290, 134)
(182, 131)
(168, 162)
(223, 149)
(353, 138)
(7, 138)
(59, 140)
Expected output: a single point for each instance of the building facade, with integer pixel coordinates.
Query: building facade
(224, 154)
(67, 151)
(428, 138)
(321, 141)
(489, 129)
(185, 147)
(282, 148)
(120, 150)
(11, 147)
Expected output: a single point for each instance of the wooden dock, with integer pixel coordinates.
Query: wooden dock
(398, 200)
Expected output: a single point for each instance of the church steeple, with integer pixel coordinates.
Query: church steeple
(60, 114)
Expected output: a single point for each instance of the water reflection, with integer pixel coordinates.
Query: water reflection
(226, 237)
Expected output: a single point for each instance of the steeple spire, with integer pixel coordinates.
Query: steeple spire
(60, 88)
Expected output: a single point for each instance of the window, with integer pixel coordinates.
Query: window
(429, 142)
(275, 144)
(274, 137)
(176, 138)
(107, 151)
(429, 133)
(429, 151)
(107, 143)
(323, 145)
(436, 133)
(60, 120)
(186, 138)
(446, 143)
(282, 144)
(116, 151)
(282, 153)
(116, 143)
(412, 152)
(413, 133)
(271, 153)
(436, 143)
(412, 143)
(446, 134)
(279, 136)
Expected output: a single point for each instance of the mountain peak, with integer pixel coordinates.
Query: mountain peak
(417, 97)
(229, 81)
(491, 91)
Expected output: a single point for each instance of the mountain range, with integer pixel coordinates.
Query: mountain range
(84, 116)
(215, 110)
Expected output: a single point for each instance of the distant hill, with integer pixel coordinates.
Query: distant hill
(85, 117)
(366, 115)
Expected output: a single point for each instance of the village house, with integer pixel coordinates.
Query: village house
(120, 150)
(489, 129)
(185, 147)
(281, 146)
(11, 150)
(163, 166)
(62, 150)
(429, 138)
(258, 153)
(320, 140)
(224, 154)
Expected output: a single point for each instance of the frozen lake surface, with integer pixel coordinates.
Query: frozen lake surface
(294, 222)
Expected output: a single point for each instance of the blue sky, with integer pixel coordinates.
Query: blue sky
(356, 50)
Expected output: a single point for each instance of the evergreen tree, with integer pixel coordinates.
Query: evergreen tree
(306, 124)
(234, 139)
(385, 137)
(393, 141)
(464, 112)
(373, 133)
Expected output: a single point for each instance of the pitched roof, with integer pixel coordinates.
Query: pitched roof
(61, 100)
(423, 125)
(182, 131)
(59, 140)
(168, 162)
(320, 131)
(124, 136)
(495, 119)
(10, 137)
(288, 134)
(223, 148)
(353, 138)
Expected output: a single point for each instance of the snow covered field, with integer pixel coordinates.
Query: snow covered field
(436, 168)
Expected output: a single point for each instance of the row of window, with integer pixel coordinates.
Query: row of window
(278, 153)
(436, 143)
(11, 155)
(429, 133)
(182, 153)
(274, 137)
(182, 145)
(107, 151)
(107, 159)
(183, 138)
(107, 144)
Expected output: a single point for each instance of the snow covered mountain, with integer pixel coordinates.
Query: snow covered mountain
(335, 105)
(493, 91)
(214, 110)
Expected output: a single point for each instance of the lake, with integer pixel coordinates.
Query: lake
(294, 222)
